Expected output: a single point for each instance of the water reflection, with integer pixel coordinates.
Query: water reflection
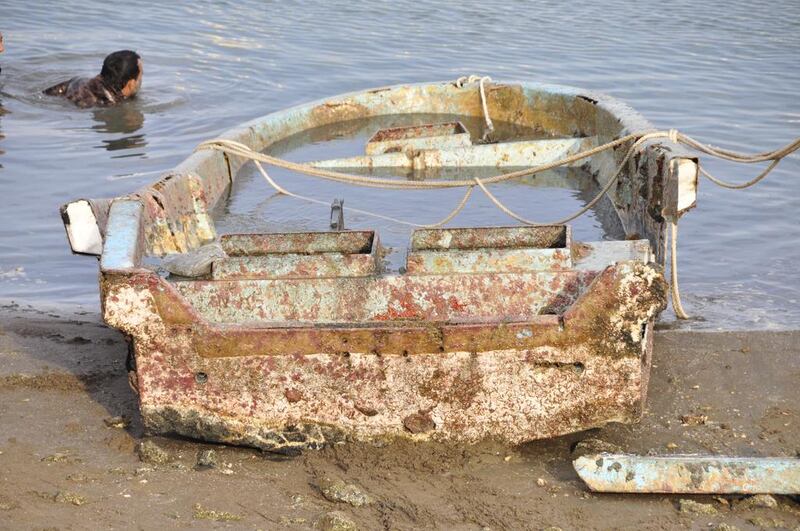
(2, 111)
(2, 136)
(125, 119)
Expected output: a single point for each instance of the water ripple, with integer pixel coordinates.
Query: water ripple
(731, 79)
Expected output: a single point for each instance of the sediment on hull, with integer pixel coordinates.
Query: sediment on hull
(191, 423)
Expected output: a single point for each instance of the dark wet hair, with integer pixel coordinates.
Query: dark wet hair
(119, 68)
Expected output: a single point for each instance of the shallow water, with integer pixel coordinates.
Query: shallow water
(724, 73)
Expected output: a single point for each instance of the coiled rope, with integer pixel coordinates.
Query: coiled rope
(238, 149)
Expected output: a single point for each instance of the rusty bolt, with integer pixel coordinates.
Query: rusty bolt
(419, 423)
(293, 395)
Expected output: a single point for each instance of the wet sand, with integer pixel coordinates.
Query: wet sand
(62, 466)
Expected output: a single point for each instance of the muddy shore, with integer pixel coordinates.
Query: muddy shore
(66, 462)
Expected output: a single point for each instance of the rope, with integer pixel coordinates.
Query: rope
(673, 135)
(450, 216)
(481, 80)
(735, 156)
(680, 313)
(577, 214)
(236, 148)
(743, 185)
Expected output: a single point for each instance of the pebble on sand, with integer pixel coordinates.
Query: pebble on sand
(7, 504)
(693, 507)
(202, 513)
(58, 457)
(69, 497)
(759, 501)
(206, 459)
(766, 523)
(336, 521)
(341, 492)
(117, 422)
(150, 452)
(693, 420)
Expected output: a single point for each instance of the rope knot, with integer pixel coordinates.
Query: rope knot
(673, 136)
(463, 80)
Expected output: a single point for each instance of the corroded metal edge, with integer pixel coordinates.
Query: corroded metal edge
(689, 474)
(347, 242)
(439, 136)
(338, 254)
(123, 247)
(490, 249)
(466, 238)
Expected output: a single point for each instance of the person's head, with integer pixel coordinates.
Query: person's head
(122, 72)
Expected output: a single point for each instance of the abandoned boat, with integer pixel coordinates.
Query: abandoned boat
(294, 340)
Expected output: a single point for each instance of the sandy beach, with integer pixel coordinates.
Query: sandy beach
(68, 462)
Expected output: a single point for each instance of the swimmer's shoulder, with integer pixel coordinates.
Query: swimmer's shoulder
(100, 95)
(62, 88)
(83, 92)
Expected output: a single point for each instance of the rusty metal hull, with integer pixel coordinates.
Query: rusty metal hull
(292, 386)
(501, 333)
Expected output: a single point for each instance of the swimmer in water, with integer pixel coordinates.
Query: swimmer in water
(118, 81)
(2, 48)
